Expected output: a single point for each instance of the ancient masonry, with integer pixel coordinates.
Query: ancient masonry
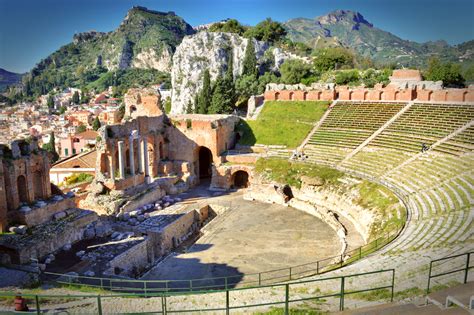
(139, 163)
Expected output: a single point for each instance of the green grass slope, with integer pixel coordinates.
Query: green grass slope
(282, 123)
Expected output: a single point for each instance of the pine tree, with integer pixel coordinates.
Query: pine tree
(96, 124)
(204, 99)
(51, 148)
(222, 97)
(189, 108)
(75, 98)
(249, 65)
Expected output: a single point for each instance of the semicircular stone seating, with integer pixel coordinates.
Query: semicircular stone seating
(384, 142)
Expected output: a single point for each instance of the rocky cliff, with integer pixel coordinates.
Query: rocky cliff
(206, 50)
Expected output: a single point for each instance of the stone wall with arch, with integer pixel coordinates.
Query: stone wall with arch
(24, 177)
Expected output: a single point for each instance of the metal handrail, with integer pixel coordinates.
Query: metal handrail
(286, 301)
(466, 268)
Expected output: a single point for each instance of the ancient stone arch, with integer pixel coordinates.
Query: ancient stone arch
(205, 161)
(240, 179)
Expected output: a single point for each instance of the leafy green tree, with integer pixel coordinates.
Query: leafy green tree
(350, 77)
(263, 80)
(81, 128)
(50, 101)
(229, 26)
(96, 123)
(204, 98)
(448, 72)
(333, 58)
(294, 70)
(75, 98)
(51, 148)
(246, 85)
(249, 64)
(468, 73)
(267, 30)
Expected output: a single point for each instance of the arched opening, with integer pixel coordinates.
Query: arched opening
(277, 96)
(38, 185)
(305, 96)
(292, 96)
(205, 162)
(396, 96)
(240, 179)
(133, 108)
(21, 186)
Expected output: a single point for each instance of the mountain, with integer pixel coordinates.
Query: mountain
(350, 29)
(8, 78)
(145, 39)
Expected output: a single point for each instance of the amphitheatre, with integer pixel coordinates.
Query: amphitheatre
(183, 216)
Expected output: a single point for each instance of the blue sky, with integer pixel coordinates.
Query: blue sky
(32, 29)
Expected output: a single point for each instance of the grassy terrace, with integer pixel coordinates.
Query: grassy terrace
(370, 195)
(282, 123)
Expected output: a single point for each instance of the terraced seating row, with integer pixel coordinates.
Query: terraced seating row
(438, 185)
(325, 154)
(362, 116)
(424, 123)
(430, 169)
(436, 231)
(459, 144)
(375, 161)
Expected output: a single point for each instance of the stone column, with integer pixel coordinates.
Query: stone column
(145, 166)
(131, 156)
(139, 154)
(121, 159)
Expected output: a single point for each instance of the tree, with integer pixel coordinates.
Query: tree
(50, 101)
(51, 148)
(81, 128)
(189, 108)
(347, 77)
(223, 96)
(229, 26)
(332, 58)
(96, 123)
(75, 98)
(448, 72)
(267, 30)
(246, 86)
(294, 70)
(249, 65)
(204, 99)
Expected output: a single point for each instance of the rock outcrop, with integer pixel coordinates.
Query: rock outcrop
(206, 50)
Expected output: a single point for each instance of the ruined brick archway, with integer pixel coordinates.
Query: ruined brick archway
(38, 185)
(22, 190)
(240, 179)
(205, 162)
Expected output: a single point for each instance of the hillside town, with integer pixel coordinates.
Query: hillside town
(73, 125)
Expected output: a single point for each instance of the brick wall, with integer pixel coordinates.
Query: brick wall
(388, 93)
